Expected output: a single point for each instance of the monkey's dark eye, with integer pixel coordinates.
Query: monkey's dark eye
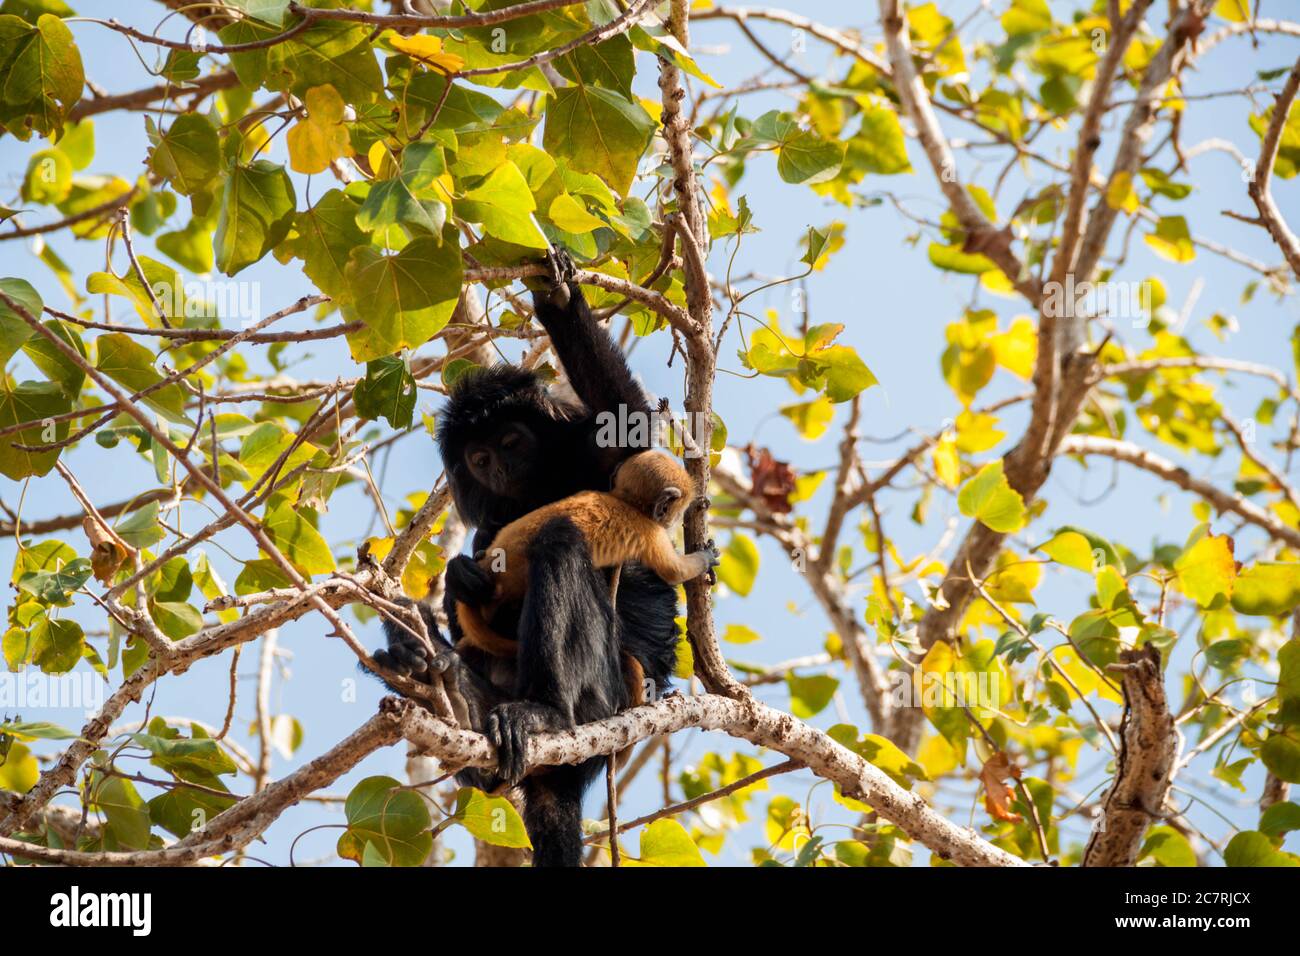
(479, 460)
(509, 440)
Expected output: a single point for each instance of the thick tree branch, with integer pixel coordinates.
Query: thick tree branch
(1144, 766)
(982, 235)
(142, 98)
(1225, 501)
(747, 719)
(693, 231)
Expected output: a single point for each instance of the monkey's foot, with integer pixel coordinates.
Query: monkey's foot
(509, 726)
(562, 269)
(410, 657)
(715, 558)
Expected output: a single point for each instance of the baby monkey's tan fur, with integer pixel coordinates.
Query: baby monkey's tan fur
(629, 523)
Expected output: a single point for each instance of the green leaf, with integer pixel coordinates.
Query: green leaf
(330, 52)
(817, 242)
(187, 155)
(388, 391)
(1167, 847)
(186, 757)
(810, 695)
(990, 498)
(393, 820)
(491, 819)
(504, 204)
(462, 109)
(130, 364)
(268, 11)
(881, 752)
(30, 402)
(324, 237)
(807, 159)
(176, 619)
(14, 330)
(1279, 819)
(49, 177)
(36, 730)
(1158, 181)
(298, 540)
(181, 810)
(333, 52)
(42, 74)
(846, 374)
(666, 843)
(57, 586)
(609, 64)
(57, 367)
(1270, 588)
(140, 529)
(739, 566)
(56, 645)
(598, 131)
(953, 259)
(408, 199)
(190, 247)
(1281, 754)
(262, 574)
(263, 446)
(129, 823)
(403, 299)
(1288, 681)
(1252, 848)
(879, 146)
(1071, 549)
(257, 207)
(164, 281)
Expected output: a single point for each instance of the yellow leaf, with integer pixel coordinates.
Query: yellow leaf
(1207, 569)
(810, 418)
(380, 158)
(321, 138)
(1016, 349)
(947, 464)
(572, 216)
(977, 432)
(427, 50)
(1120, 193)
(1238, 11)
(1172, 240)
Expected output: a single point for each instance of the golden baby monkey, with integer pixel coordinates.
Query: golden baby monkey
(631, 522)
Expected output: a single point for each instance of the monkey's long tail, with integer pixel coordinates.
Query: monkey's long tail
(553, 816)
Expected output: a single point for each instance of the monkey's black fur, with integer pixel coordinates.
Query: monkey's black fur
(534, 449)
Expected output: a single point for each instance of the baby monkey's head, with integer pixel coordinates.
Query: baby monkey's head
(655, 484)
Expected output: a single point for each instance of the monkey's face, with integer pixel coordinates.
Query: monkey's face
(506, 461)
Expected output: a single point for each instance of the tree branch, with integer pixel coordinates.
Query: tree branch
(746, 719)
(1226, 502)
(1144, 766)
(1259, 182)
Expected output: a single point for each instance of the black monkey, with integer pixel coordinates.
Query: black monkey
(508, 447)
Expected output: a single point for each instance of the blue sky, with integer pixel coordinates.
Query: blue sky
(894, 306)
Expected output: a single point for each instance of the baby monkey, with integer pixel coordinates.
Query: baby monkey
(631, 522)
